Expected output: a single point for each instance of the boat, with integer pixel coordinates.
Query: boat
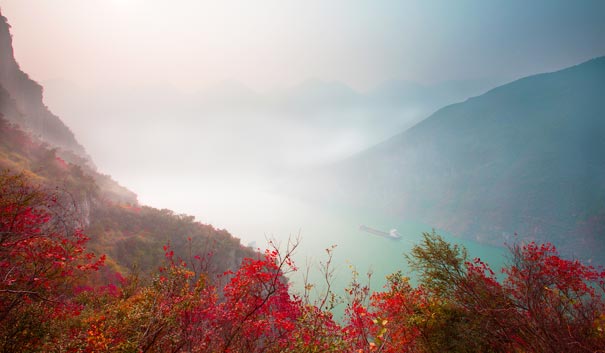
(391, 234)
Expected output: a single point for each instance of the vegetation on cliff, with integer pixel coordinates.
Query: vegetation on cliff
(130, 235)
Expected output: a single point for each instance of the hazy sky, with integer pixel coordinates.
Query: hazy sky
(273, 43)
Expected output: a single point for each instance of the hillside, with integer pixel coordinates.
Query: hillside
(525, 158)
(36, 143)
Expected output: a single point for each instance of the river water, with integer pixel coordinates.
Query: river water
(255, 213)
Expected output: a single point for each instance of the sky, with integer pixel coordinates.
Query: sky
(268, 44)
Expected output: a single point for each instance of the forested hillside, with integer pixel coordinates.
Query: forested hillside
(36, 143)
(131, 236)
(525, 158)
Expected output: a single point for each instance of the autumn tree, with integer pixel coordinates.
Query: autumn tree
(545, 303)
(560, 302)
(42, 258)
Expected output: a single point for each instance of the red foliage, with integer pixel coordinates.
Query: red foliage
(392, 309)
(546, 303)
(42, 258)
(560, 302)
(40, 252)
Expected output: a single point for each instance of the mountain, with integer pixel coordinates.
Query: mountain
(36, 143)
(21, 101)
(526, 157)
(428, 97)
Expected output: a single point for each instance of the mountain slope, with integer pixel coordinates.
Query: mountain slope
(526, 157)
(36, 143)
(21, 101)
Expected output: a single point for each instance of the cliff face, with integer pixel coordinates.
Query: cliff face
(21, 101)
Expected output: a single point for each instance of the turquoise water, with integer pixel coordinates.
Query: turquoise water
(367, 252)
(267, 215)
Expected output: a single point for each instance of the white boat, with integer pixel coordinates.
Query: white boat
(391, 234)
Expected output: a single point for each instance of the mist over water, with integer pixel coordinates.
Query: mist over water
(228, 156)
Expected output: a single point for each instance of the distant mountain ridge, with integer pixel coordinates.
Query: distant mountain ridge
(527, 157)
(311, 95)
(308, 124)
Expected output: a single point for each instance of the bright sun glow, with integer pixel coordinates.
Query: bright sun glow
(127, 5)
